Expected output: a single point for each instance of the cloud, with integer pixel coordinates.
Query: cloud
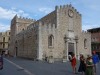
(10, 13)
(86, 27)
(4, 27)
(45, 10)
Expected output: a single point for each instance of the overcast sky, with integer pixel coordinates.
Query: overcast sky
(36, 9)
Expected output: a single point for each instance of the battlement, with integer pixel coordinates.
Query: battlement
(24, 18)
(61, 7)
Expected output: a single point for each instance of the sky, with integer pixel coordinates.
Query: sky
(36, 9)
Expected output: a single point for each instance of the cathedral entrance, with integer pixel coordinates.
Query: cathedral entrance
(70, 48)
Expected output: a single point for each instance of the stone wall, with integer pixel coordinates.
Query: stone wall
(85, 49)
(27, 43)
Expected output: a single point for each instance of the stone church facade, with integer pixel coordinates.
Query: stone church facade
(56, 35)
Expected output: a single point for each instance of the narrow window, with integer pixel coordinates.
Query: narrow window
(3, 39)
(50, 40)
(9, 33)
(9, 39)
(85, 43)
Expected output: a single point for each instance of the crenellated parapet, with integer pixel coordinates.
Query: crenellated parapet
(64, 7)
(24, 18)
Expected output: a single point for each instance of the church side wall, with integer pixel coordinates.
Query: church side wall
(47, 28)
(27, 43)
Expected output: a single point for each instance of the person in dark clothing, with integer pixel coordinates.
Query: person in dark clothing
(1, 61)
(82, 66)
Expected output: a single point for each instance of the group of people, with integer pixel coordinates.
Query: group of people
(87, 65)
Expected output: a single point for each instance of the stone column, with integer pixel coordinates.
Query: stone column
(40, 49)
(65, 52)
(76, 40)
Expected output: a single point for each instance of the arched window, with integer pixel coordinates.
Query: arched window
(50, 40)
(85, 43)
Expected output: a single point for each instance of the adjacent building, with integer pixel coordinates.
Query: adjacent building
(4, 40)
(95, 39)
(56, 35)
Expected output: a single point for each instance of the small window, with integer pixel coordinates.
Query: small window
(3, 39)
(9, 39)
(9, 33)
(85, 43)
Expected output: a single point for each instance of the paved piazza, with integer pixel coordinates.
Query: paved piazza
(18, 66)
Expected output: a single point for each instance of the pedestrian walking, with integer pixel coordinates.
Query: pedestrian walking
(89, 66)
(82, 66)
(95, 59)
(73, 63)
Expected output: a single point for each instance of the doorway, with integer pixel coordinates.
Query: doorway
(70, 48)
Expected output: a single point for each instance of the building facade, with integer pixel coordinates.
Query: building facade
(56, 35)
(95, 40)
(4, 40)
